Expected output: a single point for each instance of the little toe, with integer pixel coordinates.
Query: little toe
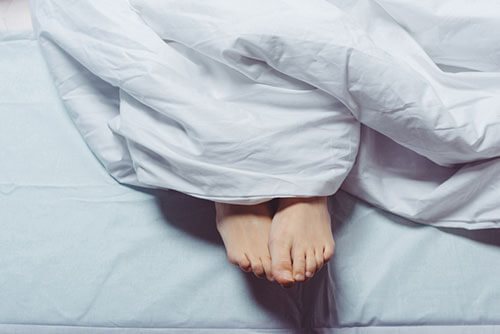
(310, 263)
(318, 254)
(299, 265)
(244, 263)
(281, 263)
(328, 252)
(239, 260)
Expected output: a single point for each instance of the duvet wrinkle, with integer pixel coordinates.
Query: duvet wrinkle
(226, 103)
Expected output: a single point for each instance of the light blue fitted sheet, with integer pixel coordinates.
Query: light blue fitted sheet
(80, 253)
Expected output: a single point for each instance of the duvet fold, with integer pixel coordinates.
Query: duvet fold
(243, 101)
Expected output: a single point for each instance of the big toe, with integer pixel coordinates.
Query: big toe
(281, 263)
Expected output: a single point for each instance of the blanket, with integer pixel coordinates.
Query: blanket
(397, 102)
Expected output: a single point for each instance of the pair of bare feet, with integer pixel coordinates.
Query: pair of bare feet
(288, 244)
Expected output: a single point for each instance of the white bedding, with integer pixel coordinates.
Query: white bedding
(80, 253)
(242, 101)
(14, 15)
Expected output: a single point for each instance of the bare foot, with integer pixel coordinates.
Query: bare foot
(245, 232)
(301, 239)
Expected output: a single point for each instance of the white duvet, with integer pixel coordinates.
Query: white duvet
(241, 101)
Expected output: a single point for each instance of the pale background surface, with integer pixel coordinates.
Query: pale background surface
(14, 15)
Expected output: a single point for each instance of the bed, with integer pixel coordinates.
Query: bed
(81, 253)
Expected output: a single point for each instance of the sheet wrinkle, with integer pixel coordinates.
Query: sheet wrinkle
(173, 226)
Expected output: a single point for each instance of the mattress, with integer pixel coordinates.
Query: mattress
(80, 253)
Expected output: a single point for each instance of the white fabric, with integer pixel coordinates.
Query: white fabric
(14, 16)
(242, 101)
(80, 253)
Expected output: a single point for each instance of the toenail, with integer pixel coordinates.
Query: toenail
(299, 277)
(309, 274)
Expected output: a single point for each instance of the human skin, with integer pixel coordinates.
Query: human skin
(288, 244)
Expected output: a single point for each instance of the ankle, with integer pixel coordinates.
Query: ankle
(238, 209)
(289, 201)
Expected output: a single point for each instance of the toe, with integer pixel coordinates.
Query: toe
(328, 252)
(266, 263)
(239, 260)
(281, 263)
(310, 263)
(257, 267)
(318, 254)
(244, 263)
(299, 265)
